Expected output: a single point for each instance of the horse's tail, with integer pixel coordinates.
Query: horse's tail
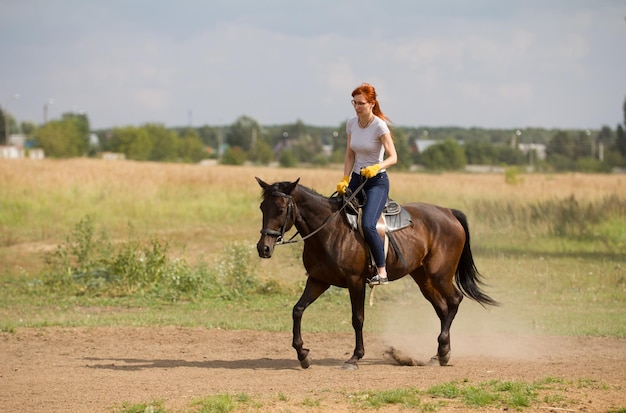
(467, 277)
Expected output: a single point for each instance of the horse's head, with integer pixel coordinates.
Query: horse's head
(278, 214)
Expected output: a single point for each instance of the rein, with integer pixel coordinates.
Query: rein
(280, 234)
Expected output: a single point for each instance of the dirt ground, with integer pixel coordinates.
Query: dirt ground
(98, 369)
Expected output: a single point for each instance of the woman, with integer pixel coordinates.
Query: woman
(369, 139)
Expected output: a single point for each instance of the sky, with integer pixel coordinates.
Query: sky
(480, 63)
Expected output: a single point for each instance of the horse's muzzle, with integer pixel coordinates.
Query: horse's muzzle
(265, 246)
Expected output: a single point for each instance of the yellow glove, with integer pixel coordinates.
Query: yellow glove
(370, 171)
(343, 185)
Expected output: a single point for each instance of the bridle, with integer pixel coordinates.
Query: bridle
(291, 212)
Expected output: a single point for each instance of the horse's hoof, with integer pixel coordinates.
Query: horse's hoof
(443, 361)
(349, 366)
(306, 363)
(439, 361)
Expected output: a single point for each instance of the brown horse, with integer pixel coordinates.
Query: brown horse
(435, 252)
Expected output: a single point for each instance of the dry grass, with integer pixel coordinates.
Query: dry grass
(200, 208)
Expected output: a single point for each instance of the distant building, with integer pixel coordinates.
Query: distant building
(538, 148)
(420, 145)
(35, 153)
(113, 156)
(11, 152)
(17, 140)
(17, 148)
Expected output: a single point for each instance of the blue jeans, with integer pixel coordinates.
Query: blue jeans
(376, 193)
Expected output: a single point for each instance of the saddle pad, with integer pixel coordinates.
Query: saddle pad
(396, 220)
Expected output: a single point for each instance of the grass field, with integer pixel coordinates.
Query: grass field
(551, 247)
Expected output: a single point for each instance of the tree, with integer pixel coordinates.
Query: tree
(401, 142)
(620, 140)
(190, 147)
(288, 159)
(480, 153)
(28, 128)
(340, 140)
(263, 153)
(164, 142)
(132, 141)
(3, 127)
(234, 156)
(8, 125)
(447, 155)
(307, 147)
(209, 136)
(616, 153)
(62, 139)
(561, 152)
(561, 144)
(243, 132)
(509, 156)
(82, 123)
(583, 145)
(605, 136)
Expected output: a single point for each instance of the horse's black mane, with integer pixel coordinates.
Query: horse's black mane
(310, 191)
(280, 187)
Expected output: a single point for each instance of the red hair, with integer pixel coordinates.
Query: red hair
(369, 93)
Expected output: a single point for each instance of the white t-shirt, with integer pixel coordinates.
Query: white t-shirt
(365, 143)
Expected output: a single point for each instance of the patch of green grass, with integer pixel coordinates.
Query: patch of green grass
(406, 398)
(308, 402)
(152, 407)
(510, 394)
(505, 394)
(515, 394)
(449, 390)
(220, 403)
(585, 383)
(478, 396)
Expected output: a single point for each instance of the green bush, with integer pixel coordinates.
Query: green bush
(86, 264)
(511, 176)
(234, 156)
(288, 159)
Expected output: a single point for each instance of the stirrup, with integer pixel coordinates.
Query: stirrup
(378, 280)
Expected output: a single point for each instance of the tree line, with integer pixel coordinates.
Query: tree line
(449, 148)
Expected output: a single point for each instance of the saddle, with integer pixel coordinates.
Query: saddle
(393, 218)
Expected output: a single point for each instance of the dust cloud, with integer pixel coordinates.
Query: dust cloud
(411, 326)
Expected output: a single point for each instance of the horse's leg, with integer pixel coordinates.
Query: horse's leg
(445, 298)
(312, 291)
(356, 288)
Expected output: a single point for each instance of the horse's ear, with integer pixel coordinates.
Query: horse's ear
(292, 186)
(260, 181)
